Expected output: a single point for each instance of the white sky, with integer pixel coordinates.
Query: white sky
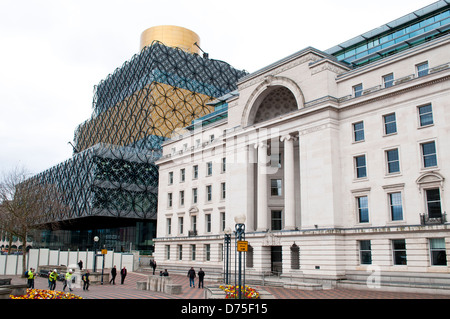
(53, 52)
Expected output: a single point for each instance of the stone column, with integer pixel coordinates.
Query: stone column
(263, 159)
(289, 182)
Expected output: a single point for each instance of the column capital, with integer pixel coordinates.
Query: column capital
(288, 137)
(260, 145)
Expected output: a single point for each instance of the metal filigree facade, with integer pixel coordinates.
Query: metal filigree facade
(112, 172)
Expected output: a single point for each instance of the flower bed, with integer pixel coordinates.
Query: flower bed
(232, 292)
(45, 294)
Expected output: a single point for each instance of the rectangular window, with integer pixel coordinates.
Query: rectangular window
(429, 154)
(170, 178)
(390, 124)
(195, 172)
(358, 131)
(393, 162)
(395, 204)
(182, 175)
(208, 222)
(360, 164)
(422, 69)
(209, 169)
(363, 209)
(180, 224)
(275, 187)
(357, 90)
(399, 251)
(388, 80)
(425, 115)
(208, 193)
(222, 190)
(194, 223)
(180, 252)
(434, 203)
(224, 164)
(192, 252)
(181, 198)
(222, 221)
(167, 252)
(207, 252)
(169, 226)
(169, 200)
(438, 252)
(276, 220)
(194, 195)
(365, 252)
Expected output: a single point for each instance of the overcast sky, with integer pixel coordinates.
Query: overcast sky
(52, 53)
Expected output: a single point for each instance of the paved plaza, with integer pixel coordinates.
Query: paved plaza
(129, 291)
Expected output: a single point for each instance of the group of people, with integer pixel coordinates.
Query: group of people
(53, 276)
(191, 275)
(123, 274)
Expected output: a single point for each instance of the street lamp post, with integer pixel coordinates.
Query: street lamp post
(96, 239)
(240, 235)
(227, 232)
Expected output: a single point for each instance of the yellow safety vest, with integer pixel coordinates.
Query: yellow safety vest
(30, 275)
(53, 276)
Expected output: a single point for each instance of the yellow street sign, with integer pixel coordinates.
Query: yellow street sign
(242, 245)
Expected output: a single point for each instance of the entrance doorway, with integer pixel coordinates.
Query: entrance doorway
(276, 259)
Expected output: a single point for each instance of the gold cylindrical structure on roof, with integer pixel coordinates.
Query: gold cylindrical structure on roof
(172, 36)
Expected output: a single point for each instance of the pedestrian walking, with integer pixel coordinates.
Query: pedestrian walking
(201, 276)
(86, 280)
(113, 275)
(191, 275)
(68, 280)
(153, 265)
(52, 278)
(123, 274)
(30, 275)
(80, 264)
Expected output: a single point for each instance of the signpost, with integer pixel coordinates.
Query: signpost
(242, 246)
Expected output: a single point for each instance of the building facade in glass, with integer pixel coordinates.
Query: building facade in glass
(111, 182)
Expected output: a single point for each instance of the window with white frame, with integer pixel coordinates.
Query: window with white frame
(392, 161)
(365, 252)
(275, 187)
(169, 199)
(429, 156)
(357, 90)
(399, 251)
(438, 253)
(170, 178)
(209, 193)
(180, 225)
(168, 252)
(358, 131)
(195, 172)
(180, 252)
(208, 223)
(207, 252)
(223, 190)
(193, 252)
(194, 195)
(182, 175)
(360, 166)
(224, 165)
(388, 80)
(425, 115)
(362, 203)
(209, 169)
(422, 69)
(395, 206)
(169, 226)
(433, 198)
(181, 198)
(390, 124)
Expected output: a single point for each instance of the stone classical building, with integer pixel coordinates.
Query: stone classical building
(339, 160)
